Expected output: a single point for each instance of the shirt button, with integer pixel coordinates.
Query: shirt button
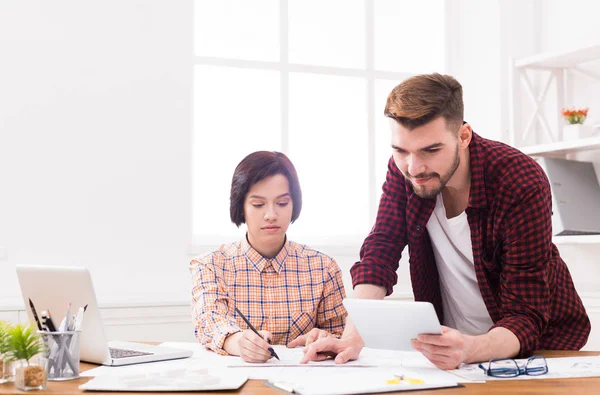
(418, 227)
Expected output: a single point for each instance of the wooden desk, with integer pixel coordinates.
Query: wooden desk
(575, 386)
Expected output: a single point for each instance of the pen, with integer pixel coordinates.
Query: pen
(35, 316)
(67, 324)
(49, 322)
(273, 353)
(43, 317)
(79, 319)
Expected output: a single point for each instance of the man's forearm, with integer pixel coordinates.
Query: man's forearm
(362, 291)
(368, 291)
(497, 343)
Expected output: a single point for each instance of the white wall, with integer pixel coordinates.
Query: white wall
(568, 25)
(482, 37)
(95, 136)
(473, 58)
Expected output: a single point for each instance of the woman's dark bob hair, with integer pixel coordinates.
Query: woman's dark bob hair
(254, 168)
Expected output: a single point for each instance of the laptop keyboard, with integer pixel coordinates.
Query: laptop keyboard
(117, 353)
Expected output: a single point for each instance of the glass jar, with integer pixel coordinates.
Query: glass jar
(31, 375)
(7, 370)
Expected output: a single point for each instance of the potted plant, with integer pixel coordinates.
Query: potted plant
(27, 349)
(5, 358)
(574, 119)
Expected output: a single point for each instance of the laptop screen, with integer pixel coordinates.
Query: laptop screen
(51, 289)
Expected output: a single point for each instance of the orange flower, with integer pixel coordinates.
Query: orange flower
(574, 116)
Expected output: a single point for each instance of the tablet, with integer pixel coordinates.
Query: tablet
(391, 324)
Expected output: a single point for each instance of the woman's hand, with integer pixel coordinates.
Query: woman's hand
(249, 346)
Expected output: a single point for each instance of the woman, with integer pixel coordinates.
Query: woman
(289, 292)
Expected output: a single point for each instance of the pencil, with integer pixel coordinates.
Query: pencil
(35, 316)
(273, 353)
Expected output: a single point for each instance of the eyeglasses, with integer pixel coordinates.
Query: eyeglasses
(534, 366)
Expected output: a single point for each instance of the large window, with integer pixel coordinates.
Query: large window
(308, 78)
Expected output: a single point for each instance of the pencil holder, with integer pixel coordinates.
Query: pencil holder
(63, 354)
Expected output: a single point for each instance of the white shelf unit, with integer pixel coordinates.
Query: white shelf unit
(585, 239)
(560, 60)
(563, 148)
(558, 65)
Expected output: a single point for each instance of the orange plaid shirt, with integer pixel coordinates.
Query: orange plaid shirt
(288, 295)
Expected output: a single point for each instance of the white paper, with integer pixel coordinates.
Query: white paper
(168, 380)
(291, 357)
(365, 380)
(203, 358)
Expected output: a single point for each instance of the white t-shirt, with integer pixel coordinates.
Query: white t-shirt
(463, 305)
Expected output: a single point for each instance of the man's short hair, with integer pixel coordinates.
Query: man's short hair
(254, 168)
(421, 99)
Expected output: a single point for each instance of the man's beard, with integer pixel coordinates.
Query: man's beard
(421, 190)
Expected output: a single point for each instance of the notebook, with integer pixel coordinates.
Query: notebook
(54, 287)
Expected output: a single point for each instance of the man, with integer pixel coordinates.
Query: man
(476, 216)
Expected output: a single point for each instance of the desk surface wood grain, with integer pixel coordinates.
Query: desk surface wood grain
(573, 386)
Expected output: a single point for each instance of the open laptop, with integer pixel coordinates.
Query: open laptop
(391, 324)
(52, 288)
(575, 196)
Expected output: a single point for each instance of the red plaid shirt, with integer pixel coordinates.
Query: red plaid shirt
(525, 284)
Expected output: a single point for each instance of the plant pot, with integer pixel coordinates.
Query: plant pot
(576, 131)
(31, 375)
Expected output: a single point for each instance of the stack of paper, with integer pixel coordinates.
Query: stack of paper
(374, 371)
(168, 380)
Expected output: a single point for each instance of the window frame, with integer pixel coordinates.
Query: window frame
(347, 245)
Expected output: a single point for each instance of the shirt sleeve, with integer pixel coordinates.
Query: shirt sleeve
(525, 293)
(331, 314)
(213, 319)
(382, 249)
